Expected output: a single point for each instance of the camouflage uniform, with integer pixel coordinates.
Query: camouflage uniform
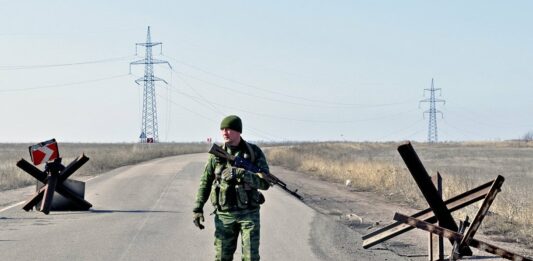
(236, 202)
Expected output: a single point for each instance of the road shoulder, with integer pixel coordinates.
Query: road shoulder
(359, 213)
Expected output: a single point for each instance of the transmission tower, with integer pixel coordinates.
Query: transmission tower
(432, 125)
(149, 132)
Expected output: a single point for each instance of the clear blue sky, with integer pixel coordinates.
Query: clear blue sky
(293, 70)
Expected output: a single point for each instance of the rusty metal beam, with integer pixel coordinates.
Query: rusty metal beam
(480, 215)
(61, 189)
(423, 180)
(73, 167)
(68, 193)
(54, 183)
(453, 204)
(454, 236)
(417, 223)
(32, 170)
(498, 251)
(49, 190)
(34, 199)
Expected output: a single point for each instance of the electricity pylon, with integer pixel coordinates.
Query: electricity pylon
(149, 132)
(432, 125)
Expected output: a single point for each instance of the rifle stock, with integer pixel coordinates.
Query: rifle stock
(244, 163)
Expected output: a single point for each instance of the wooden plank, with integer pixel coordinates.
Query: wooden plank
(454, 236)
(437, 181)
(417, 223)
(483, 246)
(452, 204)
(480, 215)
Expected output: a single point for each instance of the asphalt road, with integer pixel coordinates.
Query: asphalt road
(143, 212)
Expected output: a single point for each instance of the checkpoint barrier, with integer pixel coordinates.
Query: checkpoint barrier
(461, 237)
(54, 180)
(60, 202)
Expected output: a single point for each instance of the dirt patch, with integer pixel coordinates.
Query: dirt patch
(363, 212)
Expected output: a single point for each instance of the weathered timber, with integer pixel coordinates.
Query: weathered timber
(480, 215)
(452, 204)
(456, 237)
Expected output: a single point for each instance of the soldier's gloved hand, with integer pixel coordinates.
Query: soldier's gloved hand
(239, 172)
(232, 173)
(228, 174)
(197, 218)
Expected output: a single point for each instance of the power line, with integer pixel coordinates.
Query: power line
(41, 66)
(255, 131)
(403, 129)
(204, 102)
(212, 103)
(200, 96)
(314, 101)
(234, 90)
(64, 84)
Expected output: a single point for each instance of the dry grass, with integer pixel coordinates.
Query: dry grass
(378, 167)
(103, 157)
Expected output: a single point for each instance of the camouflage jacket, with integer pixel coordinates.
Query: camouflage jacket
(237, 194)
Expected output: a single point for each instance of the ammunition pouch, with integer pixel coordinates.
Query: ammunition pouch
(257, 198)
(242, 197)
(233, 195)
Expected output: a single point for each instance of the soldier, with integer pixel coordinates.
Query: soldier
(234, 194)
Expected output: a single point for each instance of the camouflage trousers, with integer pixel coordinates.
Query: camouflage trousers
(228, 226)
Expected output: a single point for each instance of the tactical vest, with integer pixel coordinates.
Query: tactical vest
(234, 195)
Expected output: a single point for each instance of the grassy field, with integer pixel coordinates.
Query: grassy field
(379, 167)
(103, 157)
(369, 166)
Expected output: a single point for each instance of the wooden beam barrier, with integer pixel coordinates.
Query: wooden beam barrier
(456, 237)
(483, 210)
(453, 204)
(423, 180)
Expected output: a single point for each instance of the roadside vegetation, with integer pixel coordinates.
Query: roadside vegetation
(378, 167)
(103, 157)
(368, 166)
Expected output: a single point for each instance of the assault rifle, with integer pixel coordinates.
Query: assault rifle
(240, 162)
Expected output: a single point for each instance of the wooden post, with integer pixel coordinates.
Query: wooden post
(437, 181)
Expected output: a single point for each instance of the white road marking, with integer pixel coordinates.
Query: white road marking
(12, 206)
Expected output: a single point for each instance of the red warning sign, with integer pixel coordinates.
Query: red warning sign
(44, 152)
